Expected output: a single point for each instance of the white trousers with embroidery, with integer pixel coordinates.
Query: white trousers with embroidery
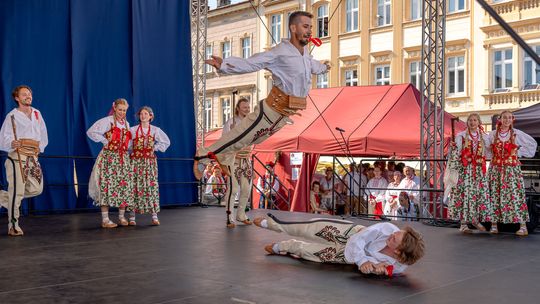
(328, 238)
(255, 128)
(32, 186)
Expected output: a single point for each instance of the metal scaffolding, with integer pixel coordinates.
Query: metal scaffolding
(432, 105)
(199, 24)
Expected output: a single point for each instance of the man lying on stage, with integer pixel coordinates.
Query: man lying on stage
(292, 67)
(378, 249)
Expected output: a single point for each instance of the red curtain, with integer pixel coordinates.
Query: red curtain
(300, 200)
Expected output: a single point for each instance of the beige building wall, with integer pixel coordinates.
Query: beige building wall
(472, 39)
(230, 24)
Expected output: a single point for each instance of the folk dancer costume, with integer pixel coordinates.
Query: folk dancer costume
(267, 186)
(391, 197)
(507, 191)
(377, 195)
(111, 181)
(327, 188)
(411, 184)
(216, 186)
(291, 73)
(145, 169)
(355, 181)
(334, 241)
(469, 199)
(26, 178)
(240, 180)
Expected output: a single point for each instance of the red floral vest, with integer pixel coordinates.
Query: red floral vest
(118, 139)
(143, 144)
(505, 153)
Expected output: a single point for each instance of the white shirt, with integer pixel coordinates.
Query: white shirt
(327, 185)
(527, 145)
(261, 187)
(377, 183)
(354, 180)
(99, 128)
(229, 124)
(161, 140)
(29, 128)
(365, 246)
(465, 134)
(407, 183)
(291, 71)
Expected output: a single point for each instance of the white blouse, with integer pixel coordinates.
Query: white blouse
(377, 183)
(161, 140)
(97, 131)
(29, 128)
(291, 71)
(527, 145)
(366, 245)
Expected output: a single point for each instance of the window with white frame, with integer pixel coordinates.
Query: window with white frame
(275, 28)
(226, 49)
(456, 5)
(351, 78)
(531, 70)
(287, 31)
(322, 21)
(415, 68)
(226, 113)
(208, 114)
(384, 16)
(351, 15)
(246, 47)
(416, 9)
(502, 69)
(382, 75)
(208, 55)
(456, 75)
(322, 80)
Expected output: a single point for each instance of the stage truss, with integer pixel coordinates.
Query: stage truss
(199, 24)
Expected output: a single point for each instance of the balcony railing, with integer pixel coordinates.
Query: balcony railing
(515, 10)
(509, 100)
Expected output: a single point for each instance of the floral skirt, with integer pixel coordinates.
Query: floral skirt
(508, 194)
(113, 180)
(146, 187)
(469, 199)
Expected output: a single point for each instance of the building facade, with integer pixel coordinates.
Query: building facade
(378, 42)
(232, 31)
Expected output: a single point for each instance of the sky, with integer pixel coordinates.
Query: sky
(213, 3)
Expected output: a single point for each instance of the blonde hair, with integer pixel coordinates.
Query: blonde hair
(120, 101)
(411, 248)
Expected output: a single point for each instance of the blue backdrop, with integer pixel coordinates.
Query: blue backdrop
(78, 56)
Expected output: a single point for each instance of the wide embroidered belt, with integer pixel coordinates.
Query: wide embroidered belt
(285, 104)
(29, 147)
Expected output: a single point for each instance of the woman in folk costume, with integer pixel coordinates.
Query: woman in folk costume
(217, 183)
(507, 190)
(469, 198)
(111, 181)
(146, 140)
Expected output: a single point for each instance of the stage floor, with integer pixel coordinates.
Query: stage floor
(193, 258)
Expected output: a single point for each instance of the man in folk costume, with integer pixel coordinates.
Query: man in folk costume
(381, 249)
(241, 171)
(23, 135)
(292, 67)
(507, 190)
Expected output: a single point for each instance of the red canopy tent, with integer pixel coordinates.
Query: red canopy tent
(378, 121)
